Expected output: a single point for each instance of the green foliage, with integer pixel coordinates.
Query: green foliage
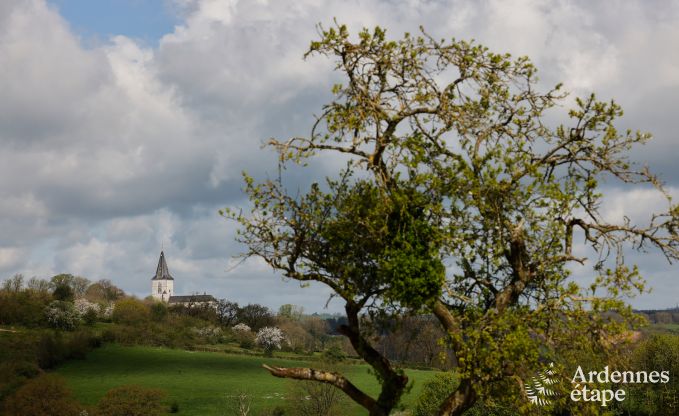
(202, 312)
(90, 317)
(175, 331)
(14, 284)
(63, 292)
(46, 395)
(246, 340)
(54, 347)
(130, 311)
(227, 312)
(25, 354)
(24, 307)
(437, 389)
(103, 291)
(334, 354)
(274, 411)
(433, 393)
(255, 316)
(132, 401)
(660, 352)
(14, 372)
(410, 261)
(159, 311)
(66, 287)
(291, 312)
(450, 160)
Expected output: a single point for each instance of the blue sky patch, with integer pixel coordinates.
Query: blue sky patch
(145, 20)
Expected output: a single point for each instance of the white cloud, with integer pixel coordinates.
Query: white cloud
(108, 152)
(635, 204)
(9, 257)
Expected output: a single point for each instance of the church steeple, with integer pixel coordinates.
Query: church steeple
(162, 272)
(162, 284)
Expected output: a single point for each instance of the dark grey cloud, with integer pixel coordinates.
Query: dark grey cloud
(109, 151)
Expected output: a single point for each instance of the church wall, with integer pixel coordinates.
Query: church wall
(162, 289)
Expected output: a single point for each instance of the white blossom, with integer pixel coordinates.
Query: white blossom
(62, 315)
(270, 338)
(241, 328)
(82, 306)
(107, 312)
(208, 331)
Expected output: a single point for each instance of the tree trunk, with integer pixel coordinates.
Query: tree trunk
(393, 382)
(460, 400)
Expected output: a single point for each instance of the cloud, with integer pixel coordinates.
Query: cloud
(110, 150)
(9, 258)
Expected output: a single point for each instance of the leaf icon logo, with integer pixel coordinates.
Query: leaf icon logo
(538, 389)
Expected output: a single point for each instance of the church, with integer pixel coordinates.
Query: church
(162, 288)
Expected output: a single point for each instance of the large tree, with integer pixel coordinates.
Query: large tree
(460, 199)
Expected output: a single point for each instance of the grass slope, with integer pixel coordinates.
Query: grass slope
(201, 381)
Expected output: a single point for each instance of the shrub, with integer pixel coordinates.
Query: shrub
(243, 335)
(22, 369)
(246, 340)
(239, 404)
(209, 334)
(276, 411)
(46, 395)
(54, 347)
(132, 401)
(256, 316)
(88, 311)
(90, 317)
(25, 307)
(310, 398)
(433, 394)
(80, 343)
(437, 389)
(334, 354)
(108, 335)
(657, 353)
(106, 312)
(158, 312)
(241, 328)
(62, 315)
(51, 349)
(270, 339)
(130, 311)
(82, 306)
(63, 292)
(15, 373)
(298, 339)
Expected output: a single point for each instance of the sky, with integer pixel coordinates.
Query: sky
(125, 124)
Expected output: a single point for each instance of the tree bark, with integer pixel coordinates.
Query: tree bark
(393, 382)
(464, 396)
(332, 378)
(460, 400)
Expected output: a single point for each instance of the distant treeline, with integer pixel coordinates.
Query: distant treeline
(661, 316)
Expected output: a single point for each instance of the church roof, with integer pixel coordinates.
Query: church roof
(162, 272)
(192, 298)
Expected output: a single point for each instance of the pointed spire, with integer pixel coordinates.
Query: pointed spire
(162, 272)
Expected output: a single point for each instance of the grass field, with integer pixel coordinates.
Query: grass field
(200, 382)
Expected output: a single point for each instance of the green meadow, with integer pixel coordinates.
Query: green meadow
(201, 382)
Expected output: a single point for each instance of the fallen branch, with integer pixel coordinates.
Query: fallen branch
(332, 378)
